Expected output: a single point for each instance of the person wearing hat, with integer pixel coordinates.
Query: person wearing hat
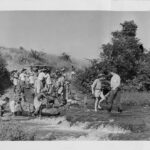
(22, 83)
(40, 79)
(60, 85)
(14, 79)
(3, 104)
(97, 91)
(115, 93)
(23, 75)
(48, 82)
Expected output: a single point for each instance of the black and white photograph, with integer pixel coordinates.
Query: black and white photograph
(74, 75)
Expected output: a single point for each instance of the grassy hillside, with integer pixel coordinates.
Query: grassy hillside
(17, 58)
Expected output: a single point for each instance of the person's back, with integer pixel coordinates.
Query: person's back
(115, 93)
(31, 78)
(22, 77)
(48, 79)
(15, 79)
(41, 76)
(115, 81)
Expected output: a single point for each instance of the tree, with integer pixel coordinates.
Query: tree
(64, 56)
(4, 75)
(124, 52)
(126, 55)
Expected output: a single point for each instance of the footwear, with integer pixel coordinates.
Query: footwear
(99, 107)
(120, 110)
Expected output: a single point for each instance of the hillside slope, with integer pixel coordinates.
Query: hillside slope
(17, 58)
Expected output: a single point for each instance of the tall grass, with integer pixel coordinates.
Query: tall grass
(18, 58)
(135, 98)
(12, 131)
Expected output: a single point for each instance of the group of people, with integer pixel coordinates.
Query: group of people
(113, 95)
(43, 83)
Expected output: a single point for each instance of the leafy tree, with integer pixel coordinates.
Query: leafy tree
(126, 55)
(4, 75)
(64, 56)
(124, 52)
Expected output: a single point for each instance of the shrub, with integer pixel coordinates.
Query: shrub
(4, 75)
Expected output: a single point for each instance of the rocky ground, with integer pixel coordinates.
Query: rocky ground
(80, 122)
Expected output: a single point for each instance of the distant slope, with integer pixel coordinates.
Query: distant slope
(18, 58)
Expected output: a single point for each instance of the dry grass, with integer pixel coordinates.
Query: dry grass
(13, 131)
(136, 98)
(18, 58)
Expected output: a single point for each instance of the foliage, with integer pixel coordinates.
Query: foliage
(4, 75)
(36, 55)
(124, 54)
(64, 56)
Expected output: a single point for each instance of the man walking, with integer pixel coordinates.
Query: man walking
(97, 91)
(115, 93)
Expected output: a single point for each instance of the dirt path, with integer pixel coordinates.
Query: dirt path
(79, 123)
(76, 124)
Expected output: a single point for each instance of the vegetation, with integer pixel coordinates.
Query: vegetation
(4, 75)
(126, 54)
(12, 131)
(19, 58)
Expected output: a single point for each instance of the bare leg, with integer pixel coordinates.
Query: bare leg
(102, 98)
(96, 104)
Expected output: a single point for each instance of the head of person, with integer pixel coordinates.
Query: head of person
(42, 96)
(101, 76)
(6, 99)
(63, 70)
(45, 70)
(23, 70)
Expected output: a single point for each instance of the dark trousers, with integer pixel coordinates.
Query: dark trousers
(115, 96)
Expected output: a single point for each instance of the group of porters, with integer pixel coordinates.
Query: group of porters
(45, 85)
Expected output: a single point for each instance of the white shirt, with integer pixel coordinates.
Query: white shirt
(60, 81)
(41, 76)
(22, 77)
(115, 81)
(48, 79)
(31, 79)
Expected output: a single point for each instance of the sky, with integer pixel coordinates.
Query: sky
(78, 33)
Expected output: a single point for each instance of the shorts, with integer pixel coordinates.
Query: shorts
(99, 94)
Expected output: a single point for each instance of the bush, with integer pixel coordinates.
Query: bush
(4, 75)
(11, 131)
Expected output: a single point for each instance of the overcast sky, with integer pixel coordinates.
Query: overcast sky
(79, 33)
